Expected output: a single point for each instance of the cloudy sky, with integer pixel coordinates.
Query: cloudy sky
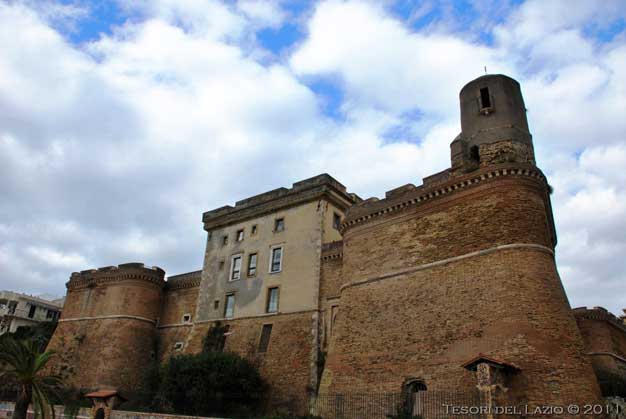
(121, 122)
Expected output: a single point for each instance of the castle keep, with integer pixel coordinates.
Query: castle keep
(449, 285)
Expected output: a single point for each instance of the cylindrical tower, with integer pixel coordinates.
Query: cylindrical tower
(106, 335)
(454, 281)
(494, 128)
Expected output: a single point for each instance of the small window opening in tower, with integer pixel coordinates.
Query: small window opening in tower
(474, 154)
(485, 99)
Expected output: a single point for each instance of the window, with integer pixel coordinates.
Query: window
(266, 333)
(221, 265)
(252, 264)
(276, 260)
(50, 314)
(485, 98)
(272, 300)
(253, 230)
(186, 318)
(336, 221)
(229, 309)
(239, 235)
(216, 304)
(224, 240)
(31, 312)
(235, 268)
(178, 346)
(474, 154)
(279, 224)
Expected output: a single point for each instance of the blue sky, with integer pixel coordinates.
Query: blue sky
(121, 122)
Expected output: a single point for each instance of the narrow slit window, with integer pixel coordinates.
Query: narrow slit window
(336, 221)
(224, 240)
(252, 259)
(279, 224)
(266, 333)
(239, 235)
(485, 98)
(253, 230)
(272, 300)
(216, 304)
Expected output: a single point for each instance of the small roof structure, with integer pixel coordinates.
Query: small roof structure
(104, 394)
(472, 364)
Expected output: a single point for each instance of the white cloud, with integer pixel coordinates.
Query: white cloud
(110, 151)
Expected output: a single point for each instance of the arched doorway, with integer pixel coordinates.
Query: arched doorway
(99, 414)
(414, 391)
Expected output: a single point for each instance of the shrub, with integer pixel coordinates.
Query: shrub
(210, 384)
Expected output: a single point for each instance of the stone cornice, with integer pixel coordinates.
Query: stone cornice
(369, 210)
(110, 317)
(269, 202)
(113, 274)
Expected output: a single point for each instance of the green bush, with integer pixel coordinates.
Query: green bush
(210, 384)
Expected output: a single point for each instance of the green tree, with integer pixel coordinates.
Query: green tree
(210, 384)
(23, 362)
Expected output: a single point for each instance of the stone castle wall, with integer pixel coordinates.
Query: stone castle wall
(604, 336)
(104, 337)
(436, 281)
(286, 365)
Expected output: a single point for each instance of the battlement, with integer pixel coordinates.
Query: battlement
(410, 195)
(121, 272)
(600, 314)
(300, 192)
(186, 280)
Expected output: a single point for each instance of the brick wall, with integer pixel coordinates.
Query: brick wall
(403, 318)
(604, 337)
(286, 365)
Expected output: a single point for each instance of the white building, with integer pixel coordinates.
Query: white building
(26, 310)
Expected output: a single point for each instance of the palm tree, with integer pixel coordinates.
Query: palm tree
(23, 363)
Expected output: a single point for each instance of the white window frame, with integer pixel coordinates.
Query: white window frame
(232, 267)
(269, 299)
(226, 306)
(178, 346)
(282, 258)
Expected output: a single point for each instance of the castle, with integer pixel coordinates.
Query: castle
(449, 285)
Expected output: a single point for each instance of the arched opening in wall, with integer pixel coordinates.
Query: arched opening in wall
(414, 391)
(99, 414)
